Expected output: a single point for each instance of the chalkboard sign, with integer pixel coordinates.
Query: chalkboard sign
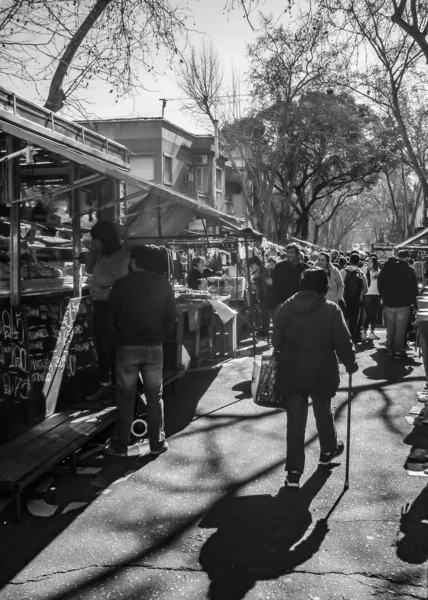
(47, 360)
(15, 383)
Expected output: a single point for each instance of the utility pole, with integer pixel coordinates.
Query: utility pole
(164, 101)
(214, 164)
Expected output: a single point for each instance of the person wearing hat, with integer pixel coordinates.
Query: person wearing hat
(142, 314)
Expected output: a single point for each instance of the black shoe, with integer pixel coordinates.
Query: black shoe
(161, 450)
(327, 458)
(293, 479)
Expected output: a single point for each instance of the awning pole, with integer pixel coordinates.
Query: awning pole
(13, 190)
(75, 215)
(253, 333)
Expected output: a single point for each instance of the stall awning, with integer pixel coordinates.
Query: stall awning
(419, 240)
(174, 204)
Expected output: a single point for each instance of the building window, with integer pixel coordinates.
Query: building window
(143, 166)
(202, 183)
(167, 169)
(218, 179)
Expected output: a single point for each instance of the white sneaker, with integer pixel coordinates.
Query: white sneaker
(373, 336)
(364, 335)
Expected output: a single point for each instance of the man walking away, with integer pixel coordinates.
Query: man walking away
(286, 276)
(309, 333)
(355, 286)
(142, 312)
(398, 289)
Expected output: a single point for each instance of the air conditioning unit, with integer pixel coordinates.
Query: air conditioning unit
(188, 177)
(201, 159)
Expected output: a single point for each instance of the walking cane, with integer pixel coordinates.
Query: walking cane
(348, 432)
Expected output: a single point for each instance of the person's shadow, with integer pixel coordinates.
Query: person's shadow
(389, 368)
(412, 543)
(260, 537)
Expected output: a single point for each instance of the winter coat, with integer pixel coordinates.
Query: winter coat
(286, 280)
(335, 290)
(309, 332)
(397, 283)
(141, 309)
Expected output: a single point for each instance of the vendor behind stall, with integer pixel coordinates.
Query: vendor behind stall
(196, 279)
(107, 262)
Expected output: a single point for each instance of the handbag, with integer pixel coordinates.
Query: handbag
(266, 394)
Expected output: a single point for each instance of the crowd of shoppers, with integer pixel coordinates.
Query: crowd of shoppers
(322, 305)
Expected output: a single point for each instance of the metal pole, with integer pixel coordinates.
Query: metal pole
(13, 192)
(253, 333)
(348, 433)
(75, 209)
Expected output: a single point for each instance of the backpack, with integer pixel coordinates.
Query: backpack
(353, 285)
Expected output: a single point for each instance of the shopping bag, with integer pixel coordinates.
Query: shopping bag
(266, 394)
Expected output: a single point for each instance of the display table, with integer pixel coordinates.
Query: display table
(201, 331)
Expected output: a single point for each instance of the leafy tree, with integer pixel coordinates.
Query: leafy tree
(336, 149)
(384, 66)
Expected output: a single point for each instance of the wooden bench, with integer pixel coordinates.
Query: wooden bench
(31, 454)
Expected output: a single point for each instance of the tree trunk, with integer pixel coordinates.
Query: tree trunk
(316, 234)
(303, 225)
(408, 145)
(56, 96)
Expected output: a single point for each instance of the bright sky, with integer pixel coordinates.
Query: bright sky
(229, 34)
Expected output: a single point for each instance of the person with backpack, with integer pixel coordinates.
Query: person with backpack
(355, 287)
(398, 288)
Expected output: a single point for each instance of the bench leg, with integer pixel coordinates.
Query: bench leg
(17, 503)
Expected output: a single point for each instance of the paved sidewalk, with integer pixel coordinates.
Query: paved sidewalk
(211, 518)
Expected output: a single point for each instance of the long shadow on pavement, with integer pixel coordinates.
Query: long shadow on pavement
(23, 541)
(412, 544)
(260, 537)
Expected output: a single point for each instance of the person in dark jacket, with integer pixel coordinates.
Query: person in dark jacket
(196, 276)
(286, 276)
(142, 313)
(398, 288)
(309, 334)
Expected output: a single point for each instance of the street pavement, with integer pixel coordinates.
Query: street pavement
(211, 518)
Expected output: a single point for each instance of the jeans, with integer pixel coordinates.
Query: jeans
(130, 362)
(371, 304)
(396, 319)
(297, 416)
(353, 309)
(103, 344)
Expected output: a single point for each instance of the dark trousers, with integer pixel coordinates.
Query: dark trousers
(353, 309)
(103, 343)
(130, 362)
(297, 416)
(371, 304)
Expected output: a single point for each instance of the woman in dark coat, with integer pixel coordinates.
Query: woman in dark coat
(310, 333)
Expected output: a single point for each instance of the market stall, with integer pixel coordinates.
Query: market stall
(57, 179)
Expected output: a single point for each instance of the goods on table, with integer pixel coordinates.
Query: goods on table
(234, 287)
